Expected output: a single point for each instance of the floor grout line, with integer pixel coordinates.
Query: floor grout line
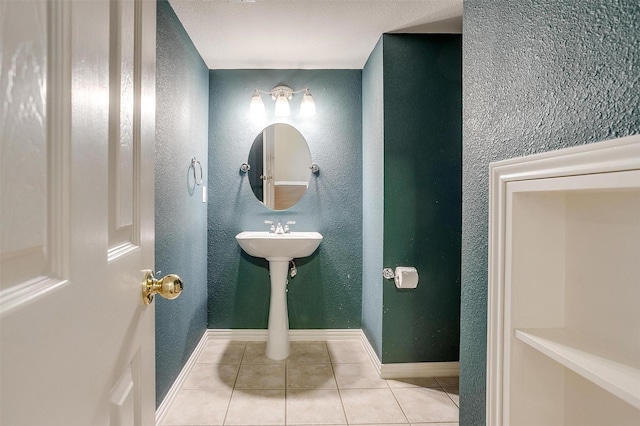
(333, 371)
(235, 381)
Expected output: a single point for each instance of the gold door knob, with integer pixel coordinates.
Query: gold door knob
(169, 287)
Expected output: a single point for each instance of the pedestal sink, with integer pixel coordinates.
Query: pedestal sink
(278, 249)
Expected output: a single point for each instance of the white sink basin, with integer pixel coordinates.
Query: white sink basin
(279, 246)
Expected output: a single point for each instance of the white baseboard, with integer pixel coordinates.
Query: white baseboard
(419, 369)
(294, 335)
(407, 370)
(385, 371)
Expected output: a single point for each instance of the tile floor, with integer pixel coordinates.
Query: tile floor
(321, 383)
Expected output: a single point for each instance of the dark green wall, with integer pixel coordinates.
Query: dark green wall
(182, 96)
(538, 76)
(327, 291)
(422, 194)
(412, 128)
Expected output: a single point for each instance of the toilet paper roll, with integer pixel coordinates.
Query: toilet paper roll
(406, 277)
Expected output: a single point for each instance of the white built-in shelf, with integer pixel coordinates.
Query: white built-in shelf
(612, 371)
(564, 245)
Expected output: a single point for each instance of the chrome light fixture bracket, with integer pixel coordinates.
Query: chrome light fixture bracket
(285, 91)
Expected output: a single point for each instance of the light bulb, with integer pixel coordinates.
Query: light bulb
(308, 105)
(256, 109)
(282, 106)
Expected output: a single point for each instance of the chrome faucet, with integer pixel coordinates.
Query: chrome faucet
(279, 229)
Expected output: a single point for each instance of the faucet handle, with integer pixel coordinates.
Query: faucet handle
(272, 228)
(289, 222)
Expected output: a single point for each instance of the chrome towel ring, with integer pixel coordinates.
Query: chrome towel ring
(195, 162)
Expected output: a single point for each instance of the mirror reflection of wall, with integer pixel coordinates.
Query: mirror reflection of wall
(255, 161)
(280, 160)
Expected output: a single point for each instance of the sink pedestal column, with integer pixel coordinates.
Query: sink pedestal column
(278, 334)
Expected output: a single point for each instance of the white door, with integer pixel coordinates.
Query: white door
(77, 111)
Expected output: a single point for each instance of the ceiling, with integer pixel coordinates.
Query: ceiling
(305, 34)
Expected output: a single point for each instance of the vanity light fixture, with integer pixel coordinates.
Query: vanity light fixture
(257, 106)
(282, 95)
(307, 106)
(282, 103)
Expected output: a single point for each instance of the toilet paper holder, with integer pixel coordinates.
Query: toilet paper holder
(388, 273)
(405, 277)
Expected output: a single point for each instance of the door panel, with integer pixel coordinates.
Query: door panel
(77, 343)
(123, 142)
(34, 191)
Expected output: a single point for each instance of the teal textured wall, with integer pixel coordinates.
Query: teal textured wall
(182, 97)
(327, 292)
(372, 197)
(422, 194)
(538, 76)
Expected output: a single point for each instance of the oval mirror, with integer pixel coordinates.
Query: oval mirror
(279, 160)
